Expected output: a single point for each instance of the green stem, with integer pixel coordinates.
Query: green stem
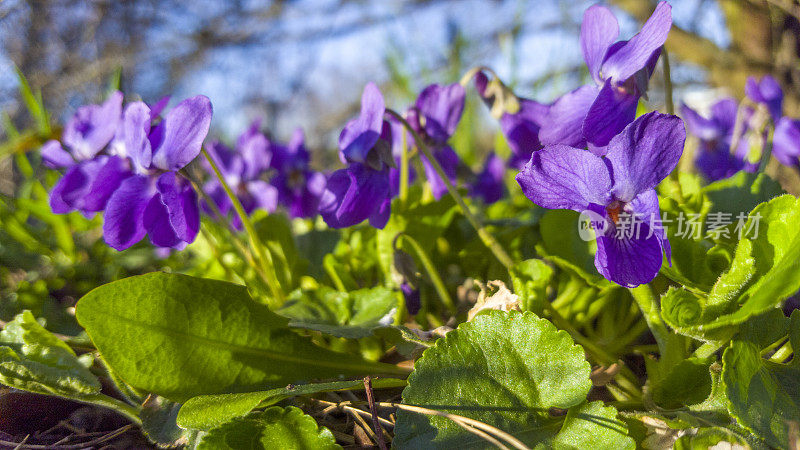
(264, 257)
(432, 273)
(667, 82)
(129, 411)
(767, 150)
(404, 172)
(238, 244)
(331, 271)
(620, 342)
(215, 251)
(669, 346)
(487, 239)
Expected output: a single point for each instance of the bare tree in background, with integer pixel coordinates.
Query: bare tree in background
(765, 39)
(70, 48)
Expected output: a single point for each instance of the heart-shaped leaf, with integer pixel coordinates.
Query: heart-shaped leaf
(506, 369)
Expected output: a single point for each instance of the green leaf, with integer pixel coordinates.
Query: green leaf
(506, 369)
(352, 314)
(424, 222)
(275, 232)
(158, 422)
(686, 383)
(276, 427)
(208, 411)
(34, 360)
(741, 192)
(33, 103)
(179, 336)
(530, 279)
(764, 329)
(763, 396)
(695, 263)
(314, 245)
(706, 438)
(562, 245)
(765, 270)
(592, 425)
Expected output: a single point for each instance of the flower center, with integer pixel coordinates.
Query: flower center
(614, 209)
(296, 179)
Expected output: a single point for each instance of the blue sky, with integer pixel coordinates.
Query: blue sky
(315, 59)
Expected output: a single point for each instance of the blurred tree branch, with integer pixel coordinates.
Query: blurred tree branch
(764, 40)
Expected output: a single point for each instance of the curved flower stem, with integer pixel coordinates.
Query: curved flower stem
(465, 79)
(404, 172)
(738, 125)
(488, 240)
(327, 264)
(669, 344)
(432, 273)
(766, 152)
(264, 257)
(238, 244)
(670, 105)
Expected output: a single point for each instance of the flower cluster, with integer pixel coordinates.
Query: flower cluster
(126, 164)
(596, 158)
(371, 146)
(263, 175)
(361, 191)
(716, 135)
(593, 114)
(586, 151)
(725, 147)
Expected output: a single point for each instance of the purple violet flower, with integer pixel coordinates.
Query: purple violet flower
(616, 186)
(87, 133)
(594, 114)
(715, 133)
(92, 174)
(786, 142)
(412, 298)
(521, 128)
(489, 184)
(299, 187)
(767, 91)
(156, 200)
(435, 117)
(361, 190)
(242, 169)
